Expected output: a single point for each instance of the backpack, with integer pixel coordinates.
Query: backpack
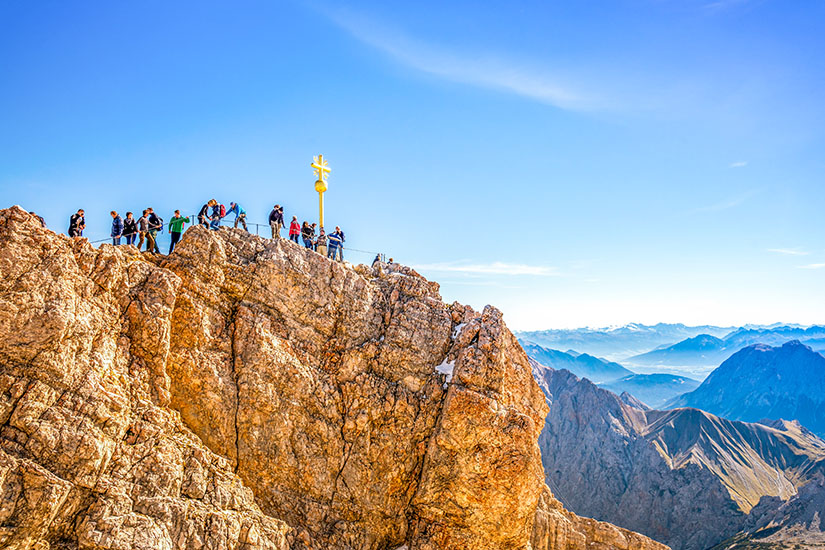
(223, 211)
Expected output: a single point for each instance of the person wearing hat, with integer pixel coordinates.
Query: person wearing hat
(240, 214)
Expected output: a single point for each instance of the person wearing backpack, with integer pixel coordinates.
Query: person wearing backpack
(77, 223)
(117, 228)
(130, 228)
(294, 230)
(155, 225)
(215, 217)
(176, 228)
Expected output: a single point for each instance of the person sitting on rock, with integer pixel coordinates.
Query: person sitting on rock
(77, 223)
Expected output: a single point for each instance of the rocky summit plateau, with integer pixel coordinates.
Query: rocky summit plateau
(246, 393)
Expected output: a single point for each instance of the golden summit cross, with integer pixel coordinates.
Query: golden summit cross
(321, 167)
(321, 170)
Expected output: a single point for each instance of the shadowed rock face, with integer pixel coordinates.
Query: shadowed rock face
(246, 393)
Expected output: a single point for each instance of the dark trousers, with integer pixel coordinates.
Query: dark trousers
(293, 238)
(203, 221)
(175, 239)
(130, 238)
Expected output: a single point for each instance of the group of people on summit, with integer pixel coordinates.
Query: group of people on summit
(146, 228)
(331, 246)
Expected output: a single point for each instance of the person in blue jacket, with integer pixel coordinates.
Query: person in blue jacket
(334, 240)
(117, 228)
(240, 214)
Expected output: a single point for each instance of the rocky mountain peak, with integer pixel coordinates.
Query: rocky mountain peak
(248, 393)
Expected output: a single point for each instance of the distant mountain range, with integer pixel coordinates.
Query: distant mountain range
(617, 343)
(683, 477)
(582, 364)
(653, 390)
(709, 350)
(761, 382)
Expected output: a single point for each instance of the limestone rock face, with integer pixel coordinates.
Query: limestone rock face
(245, 393)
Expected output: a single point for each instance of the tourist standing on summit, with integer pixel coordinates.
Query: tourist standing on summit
(321, 243)
(215, 217)
(306, 235)
(143, 228)
(130, 228)
(77, 223)
(341, 240)
(240, 214)
(117, 227)
(276, 220)
(176, 228)
(155, 225)
(294, 230)
(334, 242)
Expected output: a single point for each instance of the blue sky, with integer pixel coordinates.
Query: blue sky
(571, 163)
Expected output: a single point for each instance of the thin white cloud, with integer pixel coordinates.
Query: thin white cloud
(738, 164)
(494, 268)
(719, 5)
(789, 251)
(729, 203)
(490, 71)
(812, 266)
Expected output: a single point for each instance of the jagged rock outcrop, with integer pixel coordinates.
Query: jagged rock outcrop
(246, 393)
(684, 477)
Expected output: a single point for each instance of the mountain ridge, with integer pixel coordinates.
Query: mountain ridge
(610, 460)
(761, 381)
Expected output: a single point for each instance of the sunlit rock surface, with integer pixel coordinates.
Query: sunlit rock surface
(246, 393)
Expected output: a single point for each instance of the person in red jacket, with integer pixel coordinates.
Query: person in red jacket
(294, 229)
